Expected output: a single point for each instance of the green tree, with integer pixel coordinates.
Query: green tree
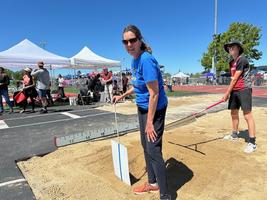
(167, 75)
(196, 75)
(247, 34)
(17, 75)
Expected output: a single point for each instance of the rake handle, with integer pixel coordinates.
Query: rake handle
(209, 107)
(215, 104)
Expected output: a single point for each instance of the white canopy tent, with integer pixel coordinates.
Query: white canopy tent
(28, 54)
(87, 59)
(180, 75)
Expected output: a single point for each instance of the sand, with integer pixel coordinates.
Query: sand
(215, 169)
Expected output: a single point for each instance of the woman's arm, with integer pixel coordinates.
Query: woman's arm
(153, 89)
(115, 99)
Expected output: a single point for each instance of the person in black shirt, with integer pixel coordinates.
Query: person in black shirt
(4, 82)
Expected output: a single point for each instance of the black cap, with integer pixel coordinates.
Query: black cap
(234, 42)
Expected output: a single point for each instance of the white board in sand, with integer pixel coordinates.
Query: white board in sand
(120, 161)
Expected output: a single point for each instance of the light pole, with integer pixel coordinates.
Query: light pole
(214, 61)
(43, 44)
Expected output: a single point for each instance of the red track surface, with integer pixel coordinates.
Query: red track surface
(257, 92)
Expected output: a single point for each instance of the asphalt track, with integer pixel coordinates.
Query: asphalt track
(30, 134)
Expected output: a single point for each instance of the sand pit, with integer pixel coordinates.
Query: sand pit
(217, 170)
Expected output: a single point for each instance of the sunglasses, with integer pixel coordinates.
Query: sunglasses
(132, 40)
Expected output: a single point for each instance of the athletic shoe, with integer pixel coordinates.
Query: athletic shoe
(11, 110)
(22, 111)
(145, 188)
(43, 110)
(233, 136)
(250, 148)
(165, 197)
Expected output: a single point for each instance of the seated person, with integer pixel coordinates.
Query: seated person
(115, 88)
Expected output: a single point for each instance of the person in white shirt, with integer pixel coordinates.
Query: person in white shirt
(42, 78)
(61, 84)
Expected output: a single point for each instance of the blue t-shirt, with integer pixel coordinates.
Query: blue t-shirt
(145, 69)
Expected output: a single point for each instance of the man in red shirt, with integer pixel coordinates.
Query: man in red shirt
(107, 81)
(240, 93)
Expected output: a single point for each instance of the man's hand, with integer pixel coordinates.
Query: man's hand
(226, 97)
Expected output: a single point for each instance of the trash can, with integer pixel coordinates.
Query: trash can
(169, 88)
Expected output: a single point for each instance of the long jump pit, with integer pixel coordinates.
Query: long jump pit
(200, 164)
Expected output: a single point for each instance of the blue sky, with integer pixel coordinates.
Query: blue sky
(178, 31)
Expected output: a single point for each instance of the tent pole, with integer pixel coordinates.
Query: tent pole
(51, 76)
(121, 87)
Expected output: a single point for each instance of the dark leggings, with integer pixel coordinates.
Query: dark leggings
(24, 105)
(155, 164)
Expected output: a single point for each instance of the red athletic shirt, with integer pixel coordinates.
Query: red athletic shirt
(244, 80)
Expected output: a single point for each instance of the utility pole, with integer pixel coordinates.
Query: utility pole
(214, 61)
(43, 44)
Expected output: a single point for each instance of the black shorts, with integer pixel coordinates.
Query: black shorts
(242, 98)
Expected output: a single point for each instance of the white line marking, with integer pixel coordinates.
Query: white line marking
(47, 114)
(60, 120)
(3, 125)
(71, 115)
(12, 182)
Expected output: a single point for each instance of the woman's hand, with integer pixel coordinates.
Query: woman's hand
(150, 132)
(115, 99)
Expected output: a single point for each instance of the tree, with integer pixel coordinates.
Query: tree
(196, 75)
(167, 75)
(14, 75)
(18, 75)
(247, 34)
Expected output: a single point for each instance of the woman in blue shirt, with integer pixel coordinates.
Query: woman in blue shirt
(152, 103)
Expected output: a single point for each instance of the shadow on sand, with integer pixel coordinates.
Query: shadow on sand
(244, 134)
(178, 174)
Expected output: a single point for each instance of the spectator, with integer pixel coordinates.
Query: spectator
(107, 82)
(29, 89)
(61, 85)
(42, 78)
(4, 82)
(115, 88)
(124, 82)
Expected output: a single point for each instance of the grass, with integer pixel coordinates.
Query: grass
(169, 94)
(182, 93)
(71, 90)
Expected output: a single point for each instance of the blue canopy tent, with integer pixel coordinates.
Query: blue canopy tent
(209, 74)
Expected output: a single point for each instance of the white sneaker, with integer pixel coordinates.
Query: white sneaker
(250, 148)
(232, 137)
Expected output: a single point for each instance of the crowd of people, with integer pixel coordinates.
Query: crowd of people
(35, 88)
(35, 83)
(96, 84)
